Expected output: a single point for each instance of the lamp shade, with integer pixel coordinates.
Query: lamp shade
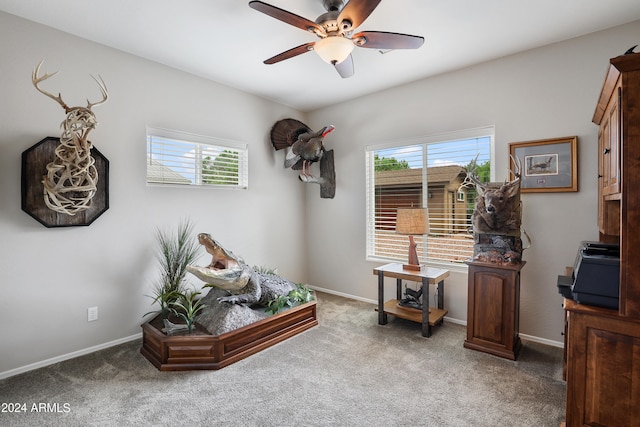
(412, 221)
(333, 49)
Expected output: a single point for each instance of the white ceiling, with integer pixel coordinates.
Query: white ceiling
(226, 41)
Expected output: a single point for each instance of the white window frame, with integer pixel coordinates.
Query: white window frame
(482, 132)
(159, 144)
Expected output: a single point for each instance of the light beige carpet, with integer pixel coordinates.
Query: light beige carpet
(347, 371)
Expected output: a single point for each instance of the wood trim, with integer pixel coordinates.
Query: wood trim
(630, 202)
(608, 86)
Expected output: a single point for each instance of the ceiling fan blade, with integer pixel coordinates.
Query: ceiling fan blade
(356, 11)
(345, 68)
(298, 50)
(384, 40)
(285, 16)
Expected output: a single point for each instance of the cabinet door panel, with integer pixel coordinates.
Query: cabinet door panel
(611, 356)
(489, 307)
(614, 145)
(601, 222)
(603, 376)
(605, 153)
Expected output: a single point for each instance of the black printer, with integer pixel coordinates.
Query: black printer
(596, 276)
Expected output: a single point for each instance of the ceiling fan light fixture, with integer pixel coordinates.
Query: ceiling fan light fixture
(333, 49)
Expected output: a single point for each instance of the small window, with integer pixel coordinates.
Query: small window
(460, 196)
(179, 158)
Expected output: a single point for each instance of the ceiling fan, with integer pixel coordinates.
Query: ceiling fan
(335, 29)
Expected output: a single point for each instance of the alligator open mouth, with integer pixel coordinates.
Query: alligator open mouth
(223, 264)
(225, 271)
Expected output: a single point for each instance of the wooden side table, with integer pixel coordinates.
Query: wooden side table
(430, 316)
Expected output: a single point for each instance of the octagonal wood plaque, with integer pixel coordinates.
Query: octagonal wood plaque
(34, 166)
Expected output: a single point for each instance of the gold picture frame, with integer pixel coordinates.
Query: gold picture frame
(547, 165)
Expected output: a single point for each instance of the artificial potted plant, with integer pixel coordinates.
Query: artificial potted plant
(187, 307)
(175, 252)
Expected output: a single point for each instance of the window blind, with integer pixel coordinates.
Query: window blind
(178, 158)
(426, 172)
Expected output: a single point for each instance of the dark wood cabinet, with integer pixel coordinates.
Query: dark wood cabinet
(603, 367)
(618, 115)
(493, 309)
(603, 346)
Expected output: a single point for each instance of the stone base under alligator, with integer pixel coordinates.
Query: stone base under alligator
(220, 317)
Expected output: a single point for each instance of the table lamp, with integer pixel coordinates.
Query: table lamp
(412, 221)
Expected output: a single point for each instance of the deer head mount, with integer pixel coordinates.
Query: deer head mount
(497, 209)
(70, 182)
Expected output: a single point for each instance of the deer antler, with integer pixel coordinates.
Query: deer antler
(70, 183)
(517, 167)
(471, 178)
(36, 80)
(477, 181)
(103, 89)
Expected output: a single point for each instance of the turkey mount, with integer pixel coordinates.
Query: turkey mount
(335, 29)
(303, 147)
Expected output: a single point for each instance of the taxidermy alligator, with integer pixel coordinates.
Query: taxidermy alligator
(229, 272)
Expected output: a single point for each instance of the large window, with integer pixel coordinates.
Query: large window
(426, 172)
(179, 158)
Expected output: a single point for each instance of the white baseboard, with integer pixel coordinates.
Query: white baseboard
(62, 358)
(532, 338)
(526, 337)
(342, 294)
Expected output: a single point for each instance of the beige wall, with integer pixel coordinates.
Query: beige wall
(542, 93)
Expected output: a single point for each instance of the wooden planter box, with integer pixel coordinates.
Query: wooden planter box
(201, 350)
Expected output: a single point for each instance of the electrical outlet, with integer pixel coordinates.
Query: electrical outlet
(92, 314)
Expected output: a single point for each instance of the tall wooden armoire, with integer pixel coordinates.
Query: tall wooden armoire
(602, 345)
